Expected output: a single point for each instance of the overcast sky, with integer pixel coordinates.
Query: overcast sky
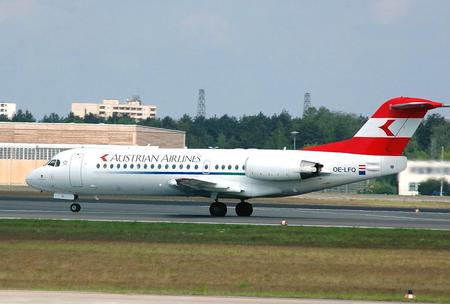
(249, 56)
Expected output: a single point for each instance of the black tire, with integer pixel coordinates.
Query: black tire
(218, 209)
(75, 207)
(244, 209)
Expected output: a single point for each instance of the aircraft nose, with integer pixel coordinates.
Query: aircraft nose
(33, 178)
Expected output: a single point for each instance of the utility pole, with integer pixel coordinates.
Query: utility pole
(442, 167)
(294, 134)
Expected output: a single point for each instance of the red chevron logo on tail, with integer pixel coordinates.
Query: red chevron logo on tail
(386, 126)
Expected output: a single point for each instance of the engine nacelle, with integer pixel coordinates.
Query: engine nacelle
(281, 169)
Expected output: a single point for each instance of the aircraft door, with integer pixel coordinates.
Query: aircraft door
(52, 180)
(76, 162)
(206, 166)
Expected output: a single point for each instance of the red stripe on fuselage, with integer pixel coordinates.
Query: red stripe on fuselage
(365, 145)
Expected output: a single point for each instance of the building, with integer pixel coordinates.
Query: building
(94, 134)
(25, 146)
(132, 108)
(7, 109)
(420, 171)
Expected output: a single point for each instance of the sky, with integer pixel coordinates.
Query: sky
(249, 56)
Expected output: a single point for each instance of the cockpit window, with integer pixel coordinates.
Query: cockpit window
(54, 163)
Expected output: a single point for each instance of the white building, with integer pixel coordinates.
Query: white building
(7, 109)
(112, 107)
(420, 171)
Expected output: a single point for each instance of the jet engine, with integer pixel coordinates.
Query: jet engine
(281, 169)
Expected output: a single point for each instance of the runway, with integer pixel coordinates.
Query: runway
(54, 297)
(192, 211)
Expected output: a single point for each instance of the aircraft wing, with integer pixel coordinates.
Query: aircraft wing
(205, 185)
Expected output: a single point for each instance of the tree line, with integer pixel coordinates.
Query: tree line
(317, 126)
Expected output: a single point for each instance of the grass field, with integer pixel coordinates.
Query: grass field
(225, 259)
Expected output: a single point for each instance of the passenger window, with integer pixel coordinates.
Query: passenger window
(159, 166)
(181, 166)
(124, 166)
(104, 166)
(229, 167)
(167, 166)
(223, 167)
(188, 167)
(131, 166)
(98, 166)
(196, 167)
(138, 166)
(111, 166)
(174, 166)
(236, 167)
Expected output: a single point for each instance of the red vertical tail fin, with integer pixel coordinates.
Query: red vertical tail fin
(388, 131)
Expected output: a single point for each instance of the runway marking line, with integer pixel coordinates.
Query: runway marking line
(382, 216)
(224, 223)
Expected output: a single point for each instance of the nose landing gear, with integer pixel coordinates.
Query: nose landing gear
(75, 207)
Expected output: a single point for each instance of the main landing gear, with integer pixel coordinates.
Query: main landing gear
(244, 209)
(220, 209)
(75, 207)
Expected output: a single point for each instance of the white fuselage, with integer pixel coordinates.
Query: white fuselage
(236, 173)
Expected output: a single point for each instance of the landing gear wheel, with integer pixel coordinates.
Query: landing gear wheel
(75, 207)
(218, 209)
(244, 209)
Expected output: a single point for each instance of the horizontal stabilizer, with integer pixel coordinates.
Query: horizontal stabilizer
(417, 105)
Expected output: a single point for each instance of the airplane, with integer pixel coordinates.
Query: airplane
(374, 151)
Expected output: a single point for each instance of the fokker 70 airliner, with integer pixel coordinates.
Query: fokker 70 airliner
(375, 150)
